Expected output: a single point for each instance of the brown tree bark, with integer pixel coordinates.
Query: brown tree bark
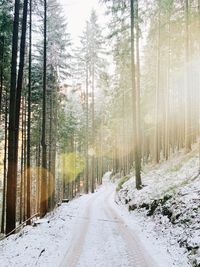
(134, 101)
(43, 201)
(28, 163)
(5, 164)
(12, 164)
(1, 70)
(187, 83)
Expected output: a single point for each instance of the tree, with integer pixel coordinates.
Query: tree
(5, 39)
(5, 58)
(43, 204)
(91, 66)
(25, 105)
(29, 117)
(135, 102)
(157, 94)
(58, 69)
(12, 164)
(187, 83)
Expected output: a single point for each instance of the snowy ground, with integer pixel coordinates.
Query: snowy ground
(89, 231)
(168, 207)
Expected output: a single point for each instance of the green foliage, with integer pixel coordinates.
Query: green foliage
(122, 180)
(58, 42)
(6, 24)
(58, 57)
(66, 129)
(72, 165)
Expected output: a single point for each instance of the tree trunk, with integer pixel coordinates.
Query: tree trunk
(21, 200)
(28, 165)
(12, 164)
(134, 102)
(43, 203)
(156, 137)
(1, 71)
(25, 162)
(187, 83)
(87, 132)
(138, 117)
(93, 138)
(5, 165)
(166, 141)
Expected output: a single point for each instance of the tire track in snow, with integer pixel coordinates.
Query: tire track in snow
(136, 253)
(79, 234)
(72, 255)
(88, 238)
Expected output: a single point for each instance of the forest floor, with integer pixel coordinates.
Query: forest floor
(160, 229)
(168, 206)
(89, 231)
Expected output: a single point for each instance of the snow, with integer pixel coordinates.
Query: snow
(150, 242)
(167, 208)
(94, 230)
(166, 179)
(44, 244)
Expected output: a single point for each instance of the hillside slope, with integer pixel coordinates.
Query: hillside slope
(168, 206)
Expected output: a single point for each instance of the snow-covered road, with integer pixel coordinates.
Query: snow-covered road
(101, 236)
(90, 231)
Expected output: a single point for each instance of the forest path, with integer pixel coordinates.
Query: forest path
(102, 238)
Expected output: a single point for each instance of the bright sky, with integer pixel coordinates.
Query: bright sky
(77, 12)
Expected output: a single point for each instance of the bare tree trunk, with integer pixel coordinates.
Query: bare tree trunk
(43, 203)
(12, 165)
(21, 200)
(5, 165)
(25, 162)
(28, 166)
(87, 132)
(156, 137)
(134, 94)
(38, 178)
(138, 116)
(53, 169)
(187, 83)
(93, 138)
(1, 71)
(52, 148)
(166, 145)
(20, 78)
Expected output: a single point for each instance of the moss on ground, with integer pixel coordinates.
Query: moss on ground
(121, 182)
